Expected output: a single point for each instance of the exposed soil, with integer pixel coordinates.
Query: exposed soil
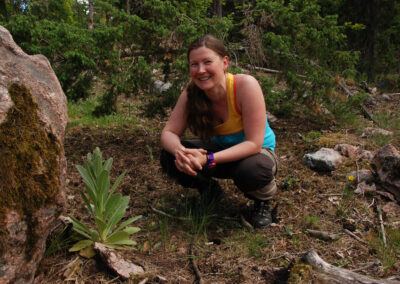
(226, 252)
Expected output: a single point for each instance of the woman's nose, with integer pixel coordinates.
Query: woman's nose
(201, 68)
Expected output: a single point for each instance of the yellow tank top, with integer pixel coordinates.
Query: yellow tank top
(234, 123)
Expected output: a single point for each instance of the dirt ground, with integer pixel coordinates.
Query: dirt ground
(224, 250)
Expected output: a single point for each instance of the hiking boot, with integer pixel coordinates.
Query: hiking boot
(261, 216)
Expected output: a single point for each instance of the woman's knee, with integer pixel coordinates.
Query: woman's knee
(255, 172)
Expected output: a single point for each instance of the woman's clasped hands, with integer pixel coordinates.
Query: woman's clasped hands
(190, 160)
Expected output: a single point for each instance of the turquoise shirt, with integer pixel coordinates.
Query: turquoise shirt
(226, 141)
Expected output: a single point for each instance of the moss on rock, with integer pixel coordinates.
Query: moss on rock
(29, 165)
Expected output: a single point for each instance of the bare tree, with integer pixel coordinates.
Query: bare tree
(128, 7)
(91, 13)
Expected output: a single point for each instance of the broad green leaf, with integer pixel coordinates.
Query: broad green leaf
(76, 223)
(82, 233)
(131, 230)
(87, 178)
(111, 204)
(108, 164)
(87, 203)
(118, 213)
(97, 163)
(124, 242)
(81, 245)
(94, 235)
(127, 222)
(118, 236)
(103, 183)
(87, 252)
(102, 228)
(117, 182)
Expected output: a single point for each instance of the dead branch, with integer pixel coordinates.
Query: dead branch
(265, 70)
(363, 108)
(358, 173)
(355, 236)
(168, 215)
(323, 235)
(369, 266)
(245, 224)
(378, 209)
(194, 263)
(337, 274)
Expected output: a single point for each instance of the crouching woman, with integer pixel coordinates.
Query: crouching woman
(228, 114)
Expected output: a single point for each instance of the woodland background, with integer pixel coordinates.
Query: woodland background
(122, 42)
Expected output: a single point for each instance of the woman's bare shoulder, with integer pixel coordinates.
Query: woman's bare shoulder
(245, 80)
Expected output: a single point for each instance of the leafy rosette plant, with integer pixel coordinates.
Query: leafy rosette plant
(106, 207)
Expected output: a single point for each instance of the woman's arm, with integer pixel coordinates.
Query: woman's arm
(185, 159)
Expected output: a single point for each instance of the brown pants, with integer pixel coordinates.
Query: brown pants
(253, 175)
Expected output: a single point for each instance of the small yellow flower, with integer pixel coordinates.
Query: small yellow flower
(368, 164)
(351, 178)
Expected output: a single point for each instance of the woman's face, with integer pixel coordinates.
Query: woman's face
(207, 68)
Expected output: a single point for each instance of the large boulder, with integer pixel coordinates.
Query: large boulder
(386, 164)
(33, 117)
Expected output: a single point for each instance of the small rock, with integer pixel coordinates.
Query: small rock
(324, 160)
(391, 209)
(160, 87)
(346, 150)
(365, 156)
(370, 131)
(363, 188)
(386, 97)
(363, 175)
(271, 117)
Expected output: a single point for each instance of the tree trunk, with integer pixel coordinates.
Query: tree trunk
(372, 40)
(3, 9)
(91, 14)
(128, 7)
(218, 8)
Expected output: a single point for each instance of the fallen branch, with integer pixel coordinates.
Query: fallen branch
(245, 224)
(337, 274)
(266, 70)
(364, 109)
(323, 235)
(168, 215)
(194, 264)
(354, 236)
(369, 266)
(378, 209)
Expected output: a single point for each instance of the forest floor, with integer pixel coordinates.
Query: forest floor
(214, 238)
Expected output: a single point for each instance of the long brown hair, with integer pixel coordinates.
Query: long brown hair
(200, 115)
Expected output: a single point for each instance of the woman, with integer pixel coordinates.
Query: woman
(228, 114)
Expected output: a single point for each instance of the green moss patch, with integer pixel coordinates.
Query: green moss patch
(29, 164)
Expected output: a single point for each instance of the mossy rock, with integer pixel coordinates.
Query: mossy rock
(29, 166)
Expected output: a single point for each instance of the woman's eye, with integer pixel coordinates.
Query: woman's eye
(208, 62)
